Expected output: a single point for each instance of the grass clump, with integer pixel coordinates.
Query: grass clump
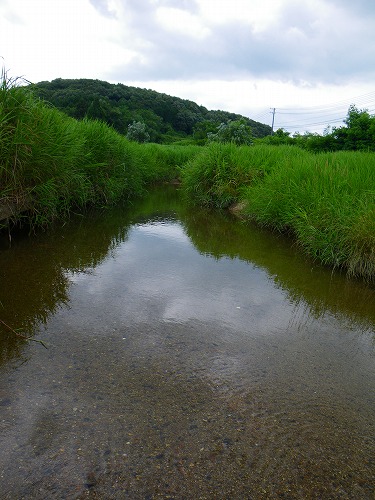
(162, 163)
(212, 178)
(217, 175)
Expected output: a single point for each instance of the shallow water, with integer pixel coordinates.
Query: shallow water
(189, 356)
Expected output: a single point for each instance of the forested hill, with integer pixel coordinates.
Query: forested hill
(166, 117)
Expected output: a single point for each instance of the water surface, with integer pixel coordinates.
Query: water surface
(189, 356)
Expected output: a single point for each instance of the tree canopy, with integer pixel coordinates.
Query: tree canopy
(237, 132)
(165, 117)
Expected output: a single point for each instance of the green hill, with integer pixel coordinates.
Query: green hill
(167, 118)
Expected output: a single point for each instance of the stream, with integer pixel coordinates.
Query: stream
(189, 356)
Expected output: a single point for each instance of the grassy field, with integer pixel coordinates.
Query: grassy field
(326, 201)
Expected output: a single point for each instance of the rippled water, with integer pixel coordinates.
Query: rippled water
(189, 356)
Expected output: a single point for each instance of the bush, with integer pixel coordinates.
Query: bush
(327, 202)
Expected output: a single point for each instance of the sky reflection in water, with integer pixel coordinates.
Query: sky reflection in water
(185, 349)
(149, 280)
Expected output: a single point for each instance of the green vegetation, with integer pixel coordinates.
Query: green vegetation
(51, 163)
(215, 176)
(327, 201)
(358, 134)
(137, 132)
(160, 118)
(167, 119)
(236, 132)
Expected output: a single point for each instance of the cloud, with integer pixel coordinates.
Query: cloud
(55, 39)
(104, 7)
(173, 19)
(9, 14)
(362, 7)
(313, 41)
(209, 51)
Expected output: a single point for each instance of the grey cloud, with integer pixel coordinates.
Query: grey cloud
(364, 7)
(189, 5)
(102, 7)
(297, 47)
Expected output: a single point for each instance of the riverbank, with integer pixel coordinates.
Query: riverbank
(325, 201)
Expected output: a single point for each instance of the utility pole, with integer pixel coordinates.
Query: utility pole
(273, 119)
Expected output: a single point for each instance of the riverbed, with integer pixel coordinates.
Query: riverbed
(189, 356)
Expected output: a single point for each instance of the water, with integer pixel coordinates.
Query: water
(189, 356)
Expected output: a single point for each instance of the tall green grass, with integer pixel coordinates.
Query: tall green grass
(160, 163)
(326, 201)
(51, 163)
(217, 175)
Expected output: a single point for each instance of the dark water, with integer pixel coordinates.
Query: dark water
(189, 356)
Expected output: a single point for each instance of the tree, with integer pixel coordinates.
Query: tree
(360, 129)
(236, 131)
(202, 129)
(281, 136)
(137, 132)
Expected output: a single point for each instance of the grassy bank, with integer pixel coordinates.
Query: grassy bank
(51, 164)
(326, 201)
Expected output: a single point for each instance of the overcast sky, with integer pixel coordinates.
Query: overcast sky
(309, 59)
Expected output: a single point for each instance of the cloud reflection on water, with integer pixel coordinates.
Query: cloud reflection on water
(157, 275)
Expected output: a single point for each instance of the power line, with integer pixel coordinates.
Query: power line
(369, 97)
(322, 115)
(263, 114)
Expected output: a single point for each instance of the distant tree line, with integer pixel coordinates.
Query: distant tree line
(358, 134)
(151, 115)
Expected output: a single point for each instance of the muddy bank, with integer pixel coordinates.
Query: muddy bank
(12, 210)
